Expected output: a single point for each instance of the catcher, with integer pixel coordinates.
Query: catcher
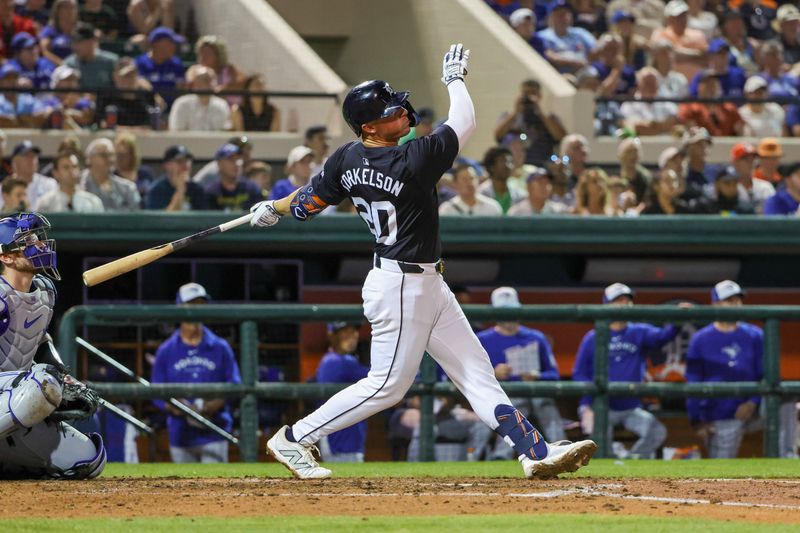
(37, 395)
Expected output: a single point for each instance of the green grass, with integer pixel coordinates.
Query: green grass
(708, 468)
(415, 524)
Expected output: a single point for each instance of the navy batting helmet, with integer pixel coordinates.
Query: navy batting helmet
(27, 233)
(372, 100)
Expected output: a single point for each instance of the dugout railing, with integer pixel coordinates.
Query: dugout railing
(251, 315)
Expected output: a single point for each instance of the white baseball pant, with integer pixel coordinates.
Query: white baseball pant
(410, 314)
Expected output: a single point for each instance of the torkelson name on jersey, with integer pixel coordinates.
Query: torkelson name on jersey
(373, 178)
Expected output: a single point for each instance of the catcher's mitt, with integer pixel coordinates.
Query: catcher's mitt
(77, 401)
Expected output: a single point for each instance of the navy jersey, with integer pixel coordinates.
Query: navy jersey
(527, 351)
(394, 190)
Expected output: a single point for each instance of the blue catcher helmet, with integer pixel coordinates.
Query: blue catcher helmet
(372, 100)
(27, 233)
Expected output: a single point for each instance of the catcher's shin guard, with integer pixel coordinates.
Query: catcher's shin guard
(78, 456)
(33, 395)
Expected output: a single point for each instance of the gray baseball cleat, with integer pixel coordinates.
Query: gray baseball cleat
(298, 458)
(562, 456)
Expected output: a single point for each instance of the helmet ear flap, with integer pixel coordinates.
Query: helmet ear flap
(413, 116)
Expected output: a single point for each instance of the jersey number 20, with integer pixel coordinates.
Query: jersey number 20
(380, 218)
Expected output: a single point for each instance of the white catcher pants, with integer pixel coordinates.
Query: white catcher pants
(410, 314)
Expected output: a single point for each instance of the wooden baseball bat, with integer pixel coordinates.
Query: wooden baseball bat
(97, 275)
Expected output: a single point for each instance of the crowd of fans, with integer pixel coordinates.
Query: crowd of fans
(747, 50)
(74, 48)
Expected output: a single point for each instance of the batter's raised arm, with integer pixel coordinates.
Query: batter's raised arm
(461, 117)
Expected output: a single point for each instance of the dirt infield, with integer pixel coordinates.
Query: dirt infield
(750, 500)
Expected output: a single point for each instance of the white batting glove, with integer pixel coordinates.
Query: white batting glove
(454, 65)
(264, 214)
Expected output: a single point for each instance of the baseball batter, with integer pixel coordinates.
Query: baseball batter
(36, 394)
(410, 307)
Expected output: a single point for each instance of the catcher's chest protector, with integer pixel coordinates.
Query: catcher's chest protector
(24, 317)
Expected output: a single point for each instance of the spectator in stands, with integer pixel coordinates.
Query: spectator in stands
(14, 195)
(720, 352)
(146, 15)
(720, 119)
(672, 84)
(690, 45)
(129, 162)
(25, 162)
(175, 191)
(665, 198)
(212, 52)
(518, 353)
(16, 109)
(610, 65)
(339, 365)
(68, 197)
(722, 198)
(696, 145)
(130, 108)
(102, 17)
(731, 77)
(523, 20)
(753, 190)
(10, 25)
(200, 112)
(702, 20)
(769, 152)
(760, 119)
(787, 199)
(210, 171)
(317, 138)
(260, 173)
(589, 15)
(36, 10)
(231, 191)
(787, 25)
(69, 111)
(298, 168)
(539, 201)
(592, 194)
(671, 158)
(567, 47)
(779, 82)
(26, 58)
(116, 193)
(256, 113)
(96, 66)
(607, 115)
(634, 46)
(649, 118)
(542, 130)
(468, 202)
(735, 32)
(160, 66)
(575, 151)
(423, 127)
(628, 346)
(757, 14)
(499, 163)
(629, 153)
(563, 191)
(58, 34)
(649, 13)
(194, 354)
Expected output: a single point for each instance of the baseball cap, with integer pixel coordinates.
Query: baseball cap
(297, 153)
(83, 32)
(189, 292)
(741, 150)
(727, 173)
(536, 173)
(24, 147)
(177, 151)
(769, 147)
(227, 150)
(519, 16)
(558, 4)
(620, 15)
(335, 326)
(676, 8)
(616, 290)
(8, 68)
(587, 72)
(666, 155)
(505, 297)
(726, 289)
(22, 40)
(754, 83)
(717, 45)
(785, 13)
(696, 134)
(61, 73)
(164, 32)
